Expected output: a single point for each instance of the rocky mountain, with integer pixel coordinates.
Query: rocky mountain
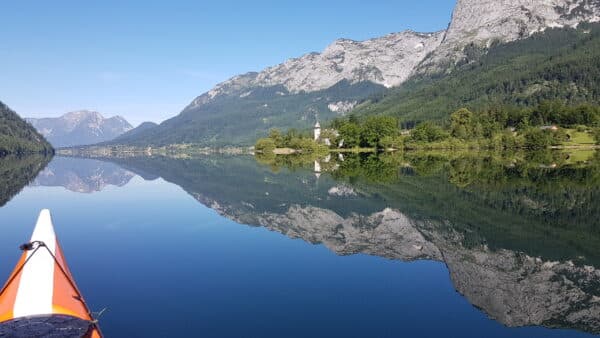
(392, 59)
(386, 61)
(558, 64)
(331, 83)
(18, 137)
(482, 23)
(80, 128)
(293, 94)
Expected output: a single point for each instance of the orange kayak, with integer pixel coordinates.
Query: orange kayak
(40, 298)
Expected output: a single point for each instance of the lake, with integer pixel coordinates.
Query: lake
(412, 245)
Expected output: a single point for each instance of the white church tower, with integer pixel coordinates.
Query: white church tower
(317, 131)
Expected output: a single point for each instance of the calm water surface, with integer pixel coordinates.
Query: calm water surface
(228, 247)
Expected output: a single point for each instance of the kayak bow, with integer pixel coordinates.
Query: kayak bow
(40, 298)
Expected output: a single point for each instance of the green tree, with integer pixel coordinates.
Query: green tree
(461, 121)
(265, 145)
(428, 132)
(535, 138)
(465, 125)
(277, 137)
(391, 142)
(377, 128)
(307, 145)
(289, 136)
(350, 133)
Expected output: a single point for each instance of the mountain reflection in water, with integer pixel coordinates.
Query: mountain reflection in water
(82, 175)
(519, 234)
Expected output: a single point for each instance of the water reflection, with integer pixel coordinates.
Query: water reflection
(519, 233)
(17, 172)
(82, 175)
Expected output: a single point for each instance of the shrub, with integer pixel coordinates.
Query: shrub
(536, 138)
(428, 132)
(391, 142)
(277, 137)
(559, 136)
(510, 141)
(265, 145)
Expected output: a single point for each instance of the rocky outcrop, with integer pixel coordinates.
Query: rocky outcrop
(388, 60)
(392, 59)
(481, 23)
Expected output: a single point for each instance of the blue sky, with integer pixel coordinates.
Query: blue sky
(146, 60)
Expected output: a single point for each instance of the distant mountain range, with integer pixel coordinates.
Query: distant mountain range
(80, 128)
(17, 136)
(347, 73)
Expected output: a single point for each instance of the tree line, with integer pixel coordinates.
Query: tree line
(544, 125)
(551, 123)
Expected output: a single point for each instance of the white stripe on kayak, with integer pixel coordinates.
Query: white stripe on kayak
(36, 288)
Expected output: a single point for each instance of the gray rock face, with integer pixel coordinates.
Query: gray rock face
(80, 128)
(388, 60)
(483, 22)
(392, 59)
(508, 20)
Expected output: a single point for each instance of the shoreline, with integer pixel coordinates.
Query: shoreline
(183, 151)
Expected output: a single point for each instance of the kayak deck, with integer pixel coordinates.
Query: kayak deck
(46, 326)
(40, 298)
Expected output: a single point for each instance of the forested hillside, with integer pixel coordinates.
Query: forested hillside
(18, 136)
(241, 119)
(561, 64)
